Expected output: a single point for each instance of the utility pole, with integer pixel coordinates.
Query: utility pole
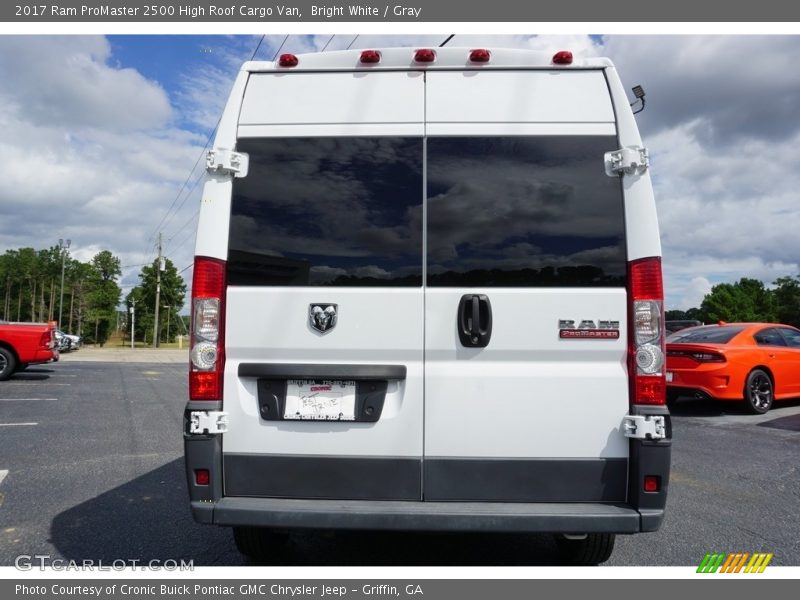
(133, 319)
(61, 248)
(158, 292)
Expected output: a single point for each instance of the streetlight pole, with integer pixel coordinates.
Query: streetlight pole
(62, 248)
(133, 319)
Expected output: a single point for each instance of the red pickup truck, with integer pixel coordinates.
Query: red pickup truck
(23, 344)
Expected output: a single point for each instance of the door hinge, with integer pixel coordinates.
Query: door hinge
(644, 427)
(212, 421)
(227, 162)
(632, 160)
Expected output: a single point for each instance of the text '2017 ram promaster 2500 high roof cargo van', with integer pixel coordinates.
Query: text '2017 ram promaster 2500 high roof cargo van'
(427, 296)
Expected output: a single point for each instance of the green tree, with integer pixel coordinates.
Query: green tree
(173, 293)
(102, 296)
(745, 301)
(787, 300)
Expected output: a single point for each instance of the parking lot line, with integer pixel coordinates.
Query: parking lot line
(3, 473)
(28, 399)
(17, 424)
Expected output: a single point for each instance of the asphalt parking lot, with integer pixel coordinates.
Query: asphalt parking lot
(91, 468)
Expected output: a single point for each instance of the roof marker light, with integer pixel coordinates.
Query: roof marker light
(425, 55)
(564, 57)
(370, 57)
(480, 55)
(287, 60)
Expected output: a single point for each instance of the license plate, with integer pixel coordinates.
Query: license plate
(320, 400)
(669, 376)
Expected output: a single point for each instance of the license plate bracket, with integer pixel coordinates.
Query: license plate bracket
(276, 397)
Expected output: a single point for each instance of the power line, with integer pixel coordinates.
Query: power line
(328, 42)
(177, 231)
(280, 47)
(191, 235)
(257, 47)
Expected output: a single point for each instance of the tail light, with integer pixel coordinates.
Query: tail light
(208, 329)
(701, 357)
(370, 57)
(707, 357)
(563, 57)
(480, 55)
(425, 55)
(646, 332)
(46, 341)
(287, 60)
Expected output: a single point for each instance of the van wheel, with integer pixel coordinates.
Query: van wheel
(592, 550)
(8, 364)
(758, 392)
(259, 543)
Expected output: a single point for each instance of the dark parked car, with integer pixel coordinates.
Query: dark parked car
(673, 326)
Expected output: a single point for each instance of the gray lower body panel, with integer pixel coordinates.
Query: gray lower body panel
(435, 479)
(424, 516)
(526, 480)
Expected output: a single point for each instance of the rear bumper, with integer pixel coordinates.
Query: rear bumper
(43, 356)
(396, 515)
(709, 381)
(556, 511)
(700, 393)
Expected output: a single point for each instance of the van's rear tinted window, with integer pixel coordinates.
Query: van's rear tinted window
(328, 211)
(523, 211)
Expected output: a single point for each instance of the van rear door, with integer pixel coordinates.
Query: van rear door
(525, 312)
(324, 301)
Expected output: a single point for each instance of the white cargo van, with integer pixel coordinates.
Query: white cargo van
(427, 296)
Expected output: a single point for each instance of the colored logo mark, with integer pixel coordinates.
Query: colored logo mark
(735, 562)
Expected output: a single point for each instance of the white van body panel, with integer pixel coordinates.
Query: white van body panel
(277, 331)
(518, 97)
(333, 98)
(528, 393)
(640, 207)
(215, 203)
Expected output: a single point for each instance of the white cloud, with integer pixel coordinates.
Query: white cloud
(68, 81)
(89, 150)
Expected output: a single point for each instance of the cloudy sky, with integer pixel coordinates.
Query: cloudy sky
(98, 136)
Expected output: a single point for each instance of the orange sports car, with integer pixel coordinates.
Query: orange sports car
(757, 363)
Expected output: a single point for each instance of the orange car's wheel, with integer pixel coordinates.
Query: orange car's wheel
(758, 392)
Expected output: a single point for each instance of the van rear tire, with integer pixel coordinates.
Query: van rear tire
(592, 550)
(259, 543)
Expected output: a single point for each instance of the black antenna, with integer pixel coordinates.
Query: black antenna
(452, 35)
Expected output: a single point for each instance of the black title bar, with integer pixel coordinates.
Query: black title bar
(414, 11)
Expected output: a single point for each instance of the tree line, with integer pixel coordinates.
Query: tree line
(30, 290)
(748, 300)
